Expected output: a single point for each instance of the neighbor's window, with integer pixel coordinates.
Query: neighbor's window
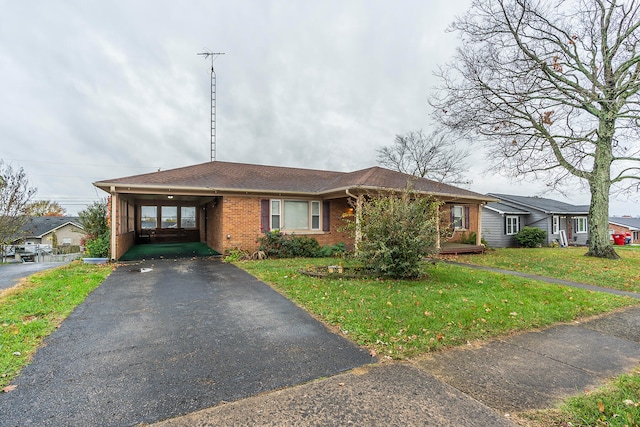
(169, 216)
(149, 217)
(188, 217)
(458, 216)
(555, 228)
(295, 215)
(580, 224)
(513, 225)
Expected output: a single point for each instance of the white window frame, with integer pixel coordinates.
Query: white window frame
(513, 223)
(314, 212)
(462, 220)
(275, 211)
(580, 225)
(555, 224)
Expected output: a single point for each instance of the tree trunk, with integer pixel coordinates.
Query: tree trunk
(600, 184)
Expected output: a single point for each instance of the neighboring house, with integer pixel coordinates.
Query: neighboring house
(40, 230)
(625, 225)
(504, 219)
(229, 205)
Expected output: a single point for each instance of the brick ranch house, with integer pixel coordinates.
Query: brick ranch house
(229, 205)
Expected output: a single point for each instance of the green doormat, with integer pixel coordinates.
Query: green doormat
(168, 250)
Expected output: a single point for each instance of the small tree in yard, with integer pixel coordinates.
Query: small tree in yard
(95, 222)
(15, 195)
(396, 232)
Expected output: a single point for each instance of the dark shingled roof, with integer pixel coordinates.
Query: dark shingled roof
(631, 223)
(40, 225)
(548, 206)
(226, 176)
(506, 209)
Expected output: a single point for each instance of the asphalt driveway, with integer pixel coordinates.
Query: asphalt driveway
(186, 335)
(11, 273)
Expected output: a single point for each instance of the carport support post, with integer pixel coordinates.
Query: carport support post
(479, 233)
(114, 222)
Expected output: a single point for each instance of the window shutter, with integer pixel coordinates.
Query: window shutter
(452, 214)
(326, 215)
(519, 223)
(467, 214)
(264, 215)
(505, 225)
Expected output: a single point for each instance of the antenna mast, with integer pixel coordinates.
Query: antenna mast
(206, 54)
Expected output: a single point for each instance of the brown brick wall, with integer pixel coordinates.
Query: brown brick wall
(239, 217)
(124, 243)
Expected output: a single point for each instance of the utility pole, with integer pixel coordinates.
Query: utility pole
(208, 54)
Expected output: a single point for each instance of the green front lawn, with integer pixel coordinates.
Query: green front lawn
(566, 263)
(31, 311)
(451, 306)
(615, 404)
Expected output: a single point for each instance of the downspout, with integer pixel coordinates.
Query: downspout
(479, 232)
(358, 236)
(438, 227)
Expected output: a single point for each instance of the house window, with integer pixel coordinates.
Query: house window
(555, 228)
(315, 215)
(275, 214)
(295, 215)
(458, 217)
(636, 234)
(580, 224)
(169, 216)
(188, 217)
(513, 225)
(149, 217)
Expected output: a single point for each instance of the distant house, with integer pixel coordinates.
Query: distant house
(229, 205)
(625, 225)
(504, 219)
(40, 230)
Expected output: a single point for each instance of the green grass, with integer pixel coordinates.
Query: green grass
(566, 263)
(451, 306)
(617, 404)
(31, 311)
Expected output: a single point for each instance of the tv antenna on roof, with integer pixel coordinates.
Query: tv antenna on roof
(208, 54)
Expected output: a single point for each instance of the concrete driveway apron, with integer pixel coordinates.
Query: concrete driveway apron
(186, 335)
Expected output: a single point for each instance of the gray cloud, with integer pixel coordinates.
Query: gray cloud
(95, 90)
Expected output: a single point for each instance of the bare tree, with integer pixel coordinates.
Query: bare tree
(15, 194)
(552, 88)
(431, 156)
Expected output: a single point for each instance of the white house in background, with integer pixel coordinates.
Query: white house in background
(502, 220)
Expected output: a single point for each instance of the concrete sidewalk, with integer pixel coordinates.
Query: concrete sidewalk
(472, 386)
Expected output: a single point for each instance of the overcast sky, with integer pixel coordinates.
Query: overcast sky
(93, 90)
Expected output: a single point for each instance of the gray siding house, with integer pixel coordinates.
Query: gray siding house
(502, 220)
